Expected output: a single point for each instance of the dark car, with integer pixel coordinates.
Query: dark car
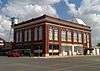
(14, 53)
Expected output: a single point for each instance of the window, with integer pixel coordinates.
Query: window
(16, 36)
(20, 36)
(25, 35)
(55, 34)
(88, 40)
(69, 36)
(50, 33)
(87, 37)
(29, 35)
(84, 37)
(40, 33)
(75, 36)
(35, 33)
(63, 35)
(80, 37)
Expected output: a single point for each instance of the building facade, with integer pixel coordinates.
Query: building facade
(49, 36)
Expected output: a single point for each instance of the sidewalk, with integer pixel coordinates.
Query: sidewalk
(60, 56)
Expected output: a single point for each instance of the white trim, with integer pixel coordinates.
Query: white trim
(56, 51)
(1, 43)
(69, 28)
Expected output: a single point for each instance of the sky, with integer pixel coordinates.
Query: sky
(87, 10)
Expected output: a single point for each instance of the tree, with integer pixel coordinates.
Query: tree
(98, 45)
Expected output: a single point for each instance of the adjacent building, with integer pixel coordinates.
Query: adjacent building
(2, 42)
(50, 36)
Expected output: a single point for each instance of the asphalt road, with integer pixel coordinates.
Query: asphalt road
(84, 63)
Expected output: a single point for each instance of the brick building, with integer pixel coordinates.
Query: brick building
(49, 36)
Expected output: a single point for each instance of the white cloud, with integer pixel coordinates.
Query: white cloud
(4, 27)
(24, 10)
(72, 8)
(89, 12)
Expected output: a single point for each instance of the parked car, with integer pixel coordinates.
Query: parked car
(14, 53)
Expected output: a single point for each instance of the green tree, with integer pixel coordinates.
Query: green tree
(98, 45)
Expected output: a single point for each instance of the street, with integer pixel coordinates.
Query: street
(82, 63)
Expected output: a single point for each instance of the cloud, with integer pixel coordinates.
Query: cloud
(89, 12)
(72, 8)
(4, 27)
(24, 10)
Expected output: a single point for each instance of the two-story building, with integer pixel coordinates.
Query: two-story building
(50, 36)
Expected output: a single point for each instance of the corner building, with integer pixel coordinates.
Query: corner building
(49, 36)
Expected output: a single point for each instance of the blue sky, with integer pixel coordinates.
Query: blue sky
(62, 9)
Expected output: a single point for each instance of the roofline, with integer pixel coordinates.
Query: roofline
(33, 19)
(46, 18)
(67, 21)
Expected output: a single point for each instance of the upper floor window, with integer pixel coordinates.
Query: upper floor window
(80, 37)
(63, 35)
(69, 36)
(40, 32)
(75, 36)
(55, 34)
(29, 35)
(85, 37)
(25, 35)
(35, 33)
(88, 42)
(17, 35)
(50, 33)
(20, 36)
